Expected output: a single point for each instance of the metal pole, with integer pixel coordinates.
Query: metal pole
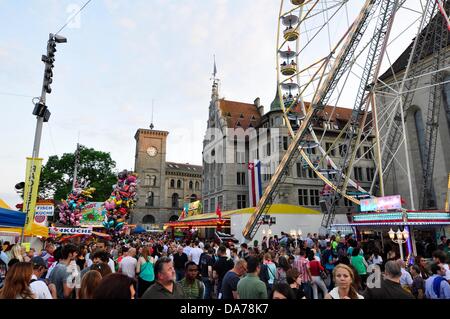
(400, 245)
(36, 146)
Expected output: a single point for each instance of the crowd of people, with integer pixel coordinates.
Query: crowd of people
(158, 267)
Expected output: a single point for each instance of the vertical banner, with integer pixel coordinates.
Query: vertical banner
(251, 185)
(258, 184)
(30, 193)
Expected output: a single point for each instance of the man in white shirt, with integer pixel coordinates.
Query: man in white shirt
(101, 246)
(128, 264)
(405, 279)
(195, 253)
(440, 257)
(39, 287)
(187, 249)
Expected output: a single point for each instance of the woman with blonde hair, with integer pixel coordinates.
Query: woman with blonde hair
(89, 283)
(343, 277)
(17, 282)
(17, 253)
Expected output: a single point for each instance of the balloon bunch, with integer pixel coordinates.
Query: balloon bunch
(70, 208)
(121, 201)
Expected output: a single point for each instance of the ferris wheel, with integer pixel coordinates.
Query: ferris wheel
(328, 53)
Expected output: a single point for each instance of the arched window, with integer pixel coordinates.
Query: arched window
(175, 198)
(191, 185)
(147, 180)
(197, 186)
(173, 218)
(178, 183)
(153, 180)
(193, 198)
(148, 219)
(150, 199)
(172, 183)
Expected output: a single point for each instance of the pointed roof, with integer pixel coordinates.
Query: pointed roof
(275, 105)
(237, 112)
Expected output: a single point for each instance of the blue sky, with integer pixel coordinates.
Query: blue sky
(120, 55)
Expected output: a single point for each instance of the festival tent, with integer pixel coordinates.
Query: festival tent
(13, 221)
(138, 230)
(11, 218)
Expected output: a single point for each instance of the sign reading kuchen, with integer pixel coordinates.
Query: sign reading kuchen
(70, 231)
(381, 203)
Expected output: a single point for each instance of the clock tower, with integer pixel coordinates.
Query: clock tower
(150, 165)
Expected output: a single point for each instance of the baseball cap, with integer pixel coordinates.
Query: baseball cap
(38, 261)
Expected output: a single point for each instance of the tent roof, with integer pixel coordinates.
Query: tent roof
(274, 209)
(11, 218)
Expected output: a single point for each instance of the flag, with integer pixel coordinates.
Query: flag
(215, 68)
(255, 185)
(218, 212)
(30, 195)
(183, 214)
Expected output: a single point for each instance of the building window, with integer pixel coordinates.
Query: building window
(241, 201)
(175, 198)
(220, 202)
(331, 152)
(311, 150)
(153, 180)
(342, 150)
(357, 173)
(303, 197)
(213, 205)
(193, 198)
(240, 157)
(370, 172)
(147, 180)
(221, 179)
(205, 206)
(150, 199)
(347, 203)
(285, 143)
(314, 195)
(367, 153)
(268, 149)
(197, 186)
(172, 183)
(240, 178)
(358, 153)
(191, 185)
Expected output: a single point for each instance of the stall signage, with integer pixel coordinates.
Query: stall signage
(381, 203)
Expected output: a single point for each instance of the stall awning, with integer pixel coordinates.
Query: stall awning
(11, 218)
(211, 219)
(36, 230)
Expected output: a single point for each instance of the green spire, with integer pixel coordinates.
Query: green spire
(275, 105)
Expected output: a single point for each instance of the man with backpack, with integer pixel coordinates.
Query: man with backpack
(436, 287)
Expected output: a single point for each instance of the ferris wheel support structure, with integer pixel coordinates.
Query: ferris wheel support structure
(321, 97)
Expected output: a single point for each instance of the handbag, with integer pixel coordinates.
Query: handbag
(323, 274)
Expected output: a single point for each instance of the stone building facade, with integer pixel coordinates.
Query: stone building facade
(225, 161)
(163, 186)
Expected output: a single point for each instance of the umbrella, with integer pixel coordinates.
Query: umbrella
(138, 230)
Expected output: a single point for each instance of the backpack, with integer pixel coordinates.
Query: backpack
(437, 285)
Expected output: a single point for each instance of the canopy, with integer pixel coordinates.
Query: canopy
(138, 230)
(36, 230)
(11, 218)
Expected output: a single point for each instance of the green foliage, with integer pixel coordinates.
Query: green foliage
(95, 166)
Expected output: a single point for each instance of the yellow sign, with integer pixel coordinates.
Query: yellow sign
(27, 246)
(30, 194)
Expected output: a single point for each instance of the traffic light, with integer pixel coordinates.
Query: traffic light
(41, 110)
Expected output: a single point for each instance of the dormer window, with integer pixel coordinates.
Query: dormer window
(253, 118)
(241, 116)
(238, 124)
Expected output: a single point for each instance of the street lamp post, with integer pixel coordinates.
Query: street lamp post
(399, 237)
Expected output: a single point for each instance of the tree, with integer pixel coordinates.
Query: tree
(95, 166)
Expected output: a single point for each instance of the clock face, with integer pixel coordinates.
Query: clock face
(152, 151)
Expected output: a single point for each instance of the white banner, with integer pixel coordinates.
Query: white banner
(47, 210)
(70, 231)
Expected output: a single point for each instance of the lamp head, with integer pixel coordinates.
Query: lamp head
(391, 234)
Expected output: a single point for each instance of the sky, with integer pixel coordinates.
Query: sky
(120, 56)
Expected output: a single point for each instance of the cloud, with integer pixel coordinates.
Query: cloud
(128, 23)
